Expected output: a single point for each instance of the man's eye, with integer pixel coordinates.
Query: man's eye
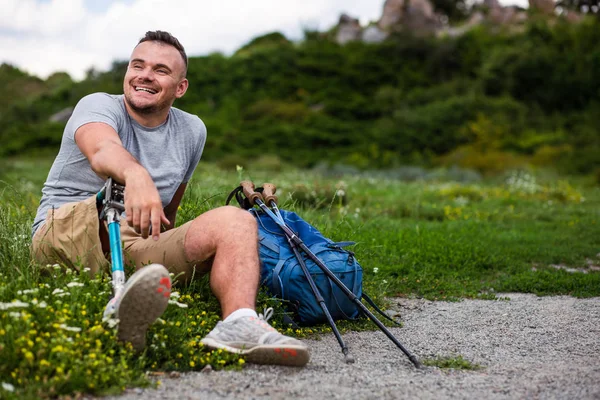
(137, 67)
(162, 71)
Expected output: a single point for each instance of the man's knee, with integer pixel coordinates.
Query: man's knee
(236, 218)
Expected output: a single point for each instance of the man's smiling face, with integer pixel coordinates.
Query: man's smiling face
(154, 78)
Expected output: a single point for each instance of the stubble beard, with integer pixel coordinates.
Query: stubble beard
(145, 110)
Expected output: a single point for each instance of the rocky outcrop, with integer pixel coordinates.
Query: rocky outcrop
(348, 29)
(542, 6)
(392, 13)
(416, 16)
(374, 34)
(419, 17)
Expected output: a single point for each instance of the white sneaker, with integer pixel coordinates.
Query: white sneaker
(144, 298)
(258, 341)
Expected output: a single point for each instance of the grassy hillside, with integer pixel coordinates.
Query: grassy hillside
(488, 100)
(436, 238)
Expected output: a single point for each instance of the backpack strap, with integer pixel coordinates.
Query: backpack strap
(277, 280)
(372, 304)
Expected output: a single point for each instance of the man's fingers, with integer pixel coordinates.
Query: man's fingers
(136, 220)
(145, 222)
(155, 219)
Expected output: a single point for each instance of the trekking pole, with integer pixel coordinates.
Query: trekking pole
(112, 197)
(269, 197)
(298, 242)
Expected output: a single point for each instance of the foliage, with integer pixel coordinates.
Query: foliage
(530, 94)
(457, 362)
(440, 239)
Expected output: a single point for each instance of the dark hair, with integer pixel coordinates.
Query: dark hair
(165, 37)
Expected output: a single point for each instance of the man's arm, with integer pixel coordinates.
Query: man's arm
(171, 209)
(101, 144)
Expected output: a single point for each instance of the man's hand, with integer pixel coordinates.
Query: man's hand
(102, 146)
(142, 203)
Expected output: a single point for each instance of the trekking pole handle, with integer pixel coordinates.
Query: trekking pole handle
(269, 193)
(251, 195)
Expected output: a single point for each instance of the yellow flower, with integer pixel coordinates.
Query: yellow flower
(192, 364)
(29, 355)
(241, 361)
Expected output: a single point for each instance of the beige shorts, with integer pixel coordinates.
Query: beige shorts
(70, 236)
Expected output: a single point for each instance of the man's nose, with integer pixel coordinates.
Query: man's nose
(147, 74)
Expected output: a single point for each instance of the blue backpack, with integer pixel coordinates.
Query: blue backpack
(283, 277)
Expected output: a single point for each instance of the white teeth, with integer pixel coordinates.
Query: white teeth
(145, 90)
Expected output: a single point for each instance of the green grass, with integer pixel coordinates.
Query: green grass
(438, 240)
(457, 362)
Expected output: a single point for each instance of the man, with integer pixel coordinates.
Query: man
(140, 140)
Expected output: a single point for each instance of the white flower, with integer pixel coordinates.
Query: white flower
(180, 305)
(69, 328)
(8, 387)
(42, 305)
(75, 284)
(111, 322)
(15, 315)
(175, 295)
(27, 291)
(375, 270)
(58, 291)
(14, 304)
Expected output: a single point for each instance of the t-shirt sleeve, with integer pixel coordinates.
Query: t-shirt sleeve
(96, 107)
(197, 150)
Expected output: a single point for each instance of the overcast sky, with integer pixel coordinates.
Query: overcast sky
(45, 36)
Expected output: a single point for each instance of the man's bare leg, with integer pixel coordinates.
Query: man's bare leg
(228, 235)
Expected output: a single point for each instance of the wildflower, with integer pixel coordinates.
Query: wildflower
(69, 328)
(241, 361)
(375, 270)
(57, 291)
(178, 304)
(27, 291)
(15, 315)
(8, 387)
(14, 304)
(111, 322)
(75, 284)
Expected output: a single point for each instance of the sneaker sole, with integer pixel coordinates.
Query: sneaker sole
(290, 355)
(145, 300)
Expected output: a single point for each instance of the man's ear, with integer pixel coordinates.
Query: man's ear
(182, 87)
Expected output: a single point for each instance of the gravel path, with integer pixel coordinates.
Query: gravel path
(529, 347)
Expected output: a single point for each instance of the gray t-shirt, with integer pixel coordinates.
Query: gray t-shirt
(170, 152)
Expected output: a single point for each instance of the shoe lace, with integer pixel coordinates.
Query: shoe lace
(268, 313)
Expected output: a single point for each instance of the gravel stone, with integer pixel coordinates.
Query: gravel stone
(529, 347)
